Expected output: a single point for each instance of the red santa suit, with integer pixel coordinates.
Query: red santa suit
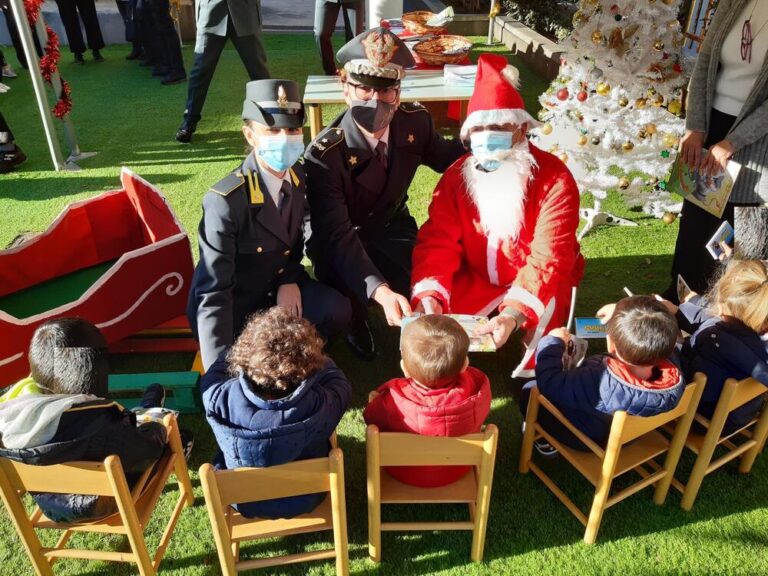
(468, 270)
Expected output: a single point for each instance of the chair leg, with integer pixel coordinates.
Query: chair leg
(759, 435)
(339, 507)
(526, 450)
(597, 510)
(374, 494)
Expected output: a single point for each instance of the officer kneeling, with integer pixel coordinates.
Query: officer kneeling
(251, 236)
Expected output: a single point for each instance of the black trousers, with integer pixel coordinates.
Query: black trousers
(692, 261)
(13, 32)
(166, 41)
(252, 54)
(71, 11)
(6, 136)
(326, 14)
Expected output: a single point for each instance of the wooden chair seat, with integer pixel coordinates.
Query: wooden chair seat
(633, 445)
(463, 491)
(242, 528)
(401, 449)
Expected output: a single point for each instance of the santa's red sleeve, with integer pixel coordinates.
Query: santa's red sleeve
(438, 251)
(554, 249)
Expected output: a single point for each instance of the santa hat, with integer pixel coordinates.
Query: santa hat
(495, 99)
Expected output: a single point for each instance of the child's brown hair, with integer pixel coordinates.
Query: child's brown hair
(742, 293)
(434, 349)
(643, 330)
(277, 351)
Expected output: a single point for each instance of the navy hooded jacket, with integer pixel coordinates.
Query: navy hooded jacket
(590, 394)
(253, 432)
(722, 348)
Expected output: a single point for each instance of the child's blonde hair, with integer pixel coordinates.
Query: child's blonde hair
(434, 349)
(742, 293)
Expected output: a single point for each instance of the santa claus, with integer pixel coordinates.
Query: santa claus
(501, 233)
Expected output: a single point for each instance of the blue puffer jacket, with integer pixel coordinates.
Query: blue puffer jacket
(722, 349)
(253, 432)
(590, 394)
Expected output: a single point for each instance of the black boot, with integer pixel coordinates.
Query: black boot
(360, 341)
(10, 159)
(79, 58)
(174, 78)
(185, 131)
(97, 57)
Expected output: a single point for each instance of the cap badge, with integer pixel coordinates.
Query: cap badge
(282, 97)
(379, 48)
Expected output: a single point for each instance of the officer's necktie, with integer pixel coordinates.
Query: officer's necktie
(285, 203)
(381, 154)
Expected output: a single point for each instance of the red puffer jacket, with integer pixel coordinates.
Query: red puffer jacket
(403, 405)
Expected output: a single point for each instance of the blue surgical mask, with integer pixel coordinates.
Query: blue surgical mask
(281, 151)
(486, 144)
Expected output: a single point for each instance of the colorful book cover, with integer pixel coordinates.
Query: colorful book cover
(590, 328)
(470, 323)
(724, 234)
(709, 193)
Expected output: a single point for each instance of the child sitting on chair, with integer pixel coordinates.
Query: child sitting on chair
(638, 375)
(441, 395)
(729, 336)
(57, 415)
(283, 403)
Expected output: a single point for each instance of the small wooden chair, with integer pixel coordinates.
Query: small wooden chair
(105, 478)
(226, 487)
(633, 444)
(747, 442)
(401, 449)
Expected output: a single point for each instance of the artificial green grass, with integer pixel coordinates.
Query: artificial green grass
(130, 119)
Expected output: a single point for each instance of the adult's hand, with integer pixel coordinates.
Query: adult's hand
(717, 159)
(395, 305)
(289, 297)
(429, 305)
(690, 148)
(500, 328)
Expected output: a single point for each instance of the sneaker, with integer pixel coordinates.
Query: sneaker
(545, 448)
(187, 442)
(8, 72)
(154, 396)
(4, 88)
(10, 159)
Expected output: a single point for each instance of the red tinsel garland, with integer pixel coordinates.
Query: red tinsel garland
(50, 61)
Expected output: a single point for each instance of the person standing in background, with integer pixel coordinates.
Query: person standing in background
(326, 15)
(728, 114)
(217, 20)
(71, 12)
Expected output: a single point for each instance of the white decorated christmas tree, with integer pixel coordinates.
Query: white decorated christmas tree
(613, 112)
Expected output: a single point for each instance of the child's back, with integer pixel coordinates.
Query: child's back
(440, 395)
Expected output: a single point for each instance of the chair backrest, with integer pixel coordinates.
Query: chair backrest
(71, 478)
(739, 392)
(630, 428)
(404, 449)
(281, 481)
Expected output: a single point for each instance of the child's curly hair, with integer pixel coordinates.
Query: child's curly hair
(277, 351)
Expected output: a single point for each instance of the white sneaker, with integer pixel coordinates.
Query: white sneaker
(4, 88)
(8, 72)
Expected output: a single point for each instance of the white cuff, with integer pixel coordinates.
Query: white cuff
(430, 285)
(526, 298)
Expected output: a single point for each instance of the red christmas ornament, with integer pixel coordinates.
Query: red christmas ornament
(615, 8)
(582, 96)
(562, 94)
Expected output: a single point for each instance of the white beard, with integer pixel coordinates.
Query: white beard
(500, 195)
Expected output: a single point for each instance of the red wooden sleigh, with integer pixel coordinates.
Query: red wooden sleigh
(133, 234)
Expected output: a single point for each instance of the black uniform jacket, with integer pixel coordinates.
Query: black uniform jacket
(246, 253)
(354, 201)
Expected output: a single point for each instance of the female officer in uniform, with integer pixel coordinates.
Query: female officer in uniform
(251, 236)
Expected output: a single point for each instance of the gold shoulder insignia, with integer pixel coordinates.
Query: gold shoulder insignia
(227, 185)
(255, 195)
(327, 140)
(412, 107)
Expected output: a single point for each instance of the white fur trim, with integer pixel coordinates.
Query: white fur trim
(430, 285)
(492, 259)
(511, 75)
(530, 349)
(491, 306)
(518, 116)
(526, 298)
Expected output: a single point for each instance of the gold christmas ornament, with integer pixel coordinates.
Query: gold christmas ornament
(650, 128)
(659, 100)
(597, 37)
(582, 140)
(542, 114)
(624, 183)
(579, 18)
(623, 101)
(640, 103)
(675, 107)
(563, 158)
(627, 146)
(658, 45)
(546, 129)
(603, 88)
(596, 140)
(669, 217)
(670, 140)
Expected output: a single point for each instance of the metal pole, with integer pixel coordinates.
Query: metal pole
(491, 20)
(38, 82)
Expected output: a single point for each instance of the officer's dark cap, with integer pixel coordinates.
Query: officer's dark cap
(274, 103)
(375, 58)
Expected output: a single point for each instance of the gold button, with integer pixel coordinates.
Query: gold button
(281, 270)
(259, 249)
(287, 253)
